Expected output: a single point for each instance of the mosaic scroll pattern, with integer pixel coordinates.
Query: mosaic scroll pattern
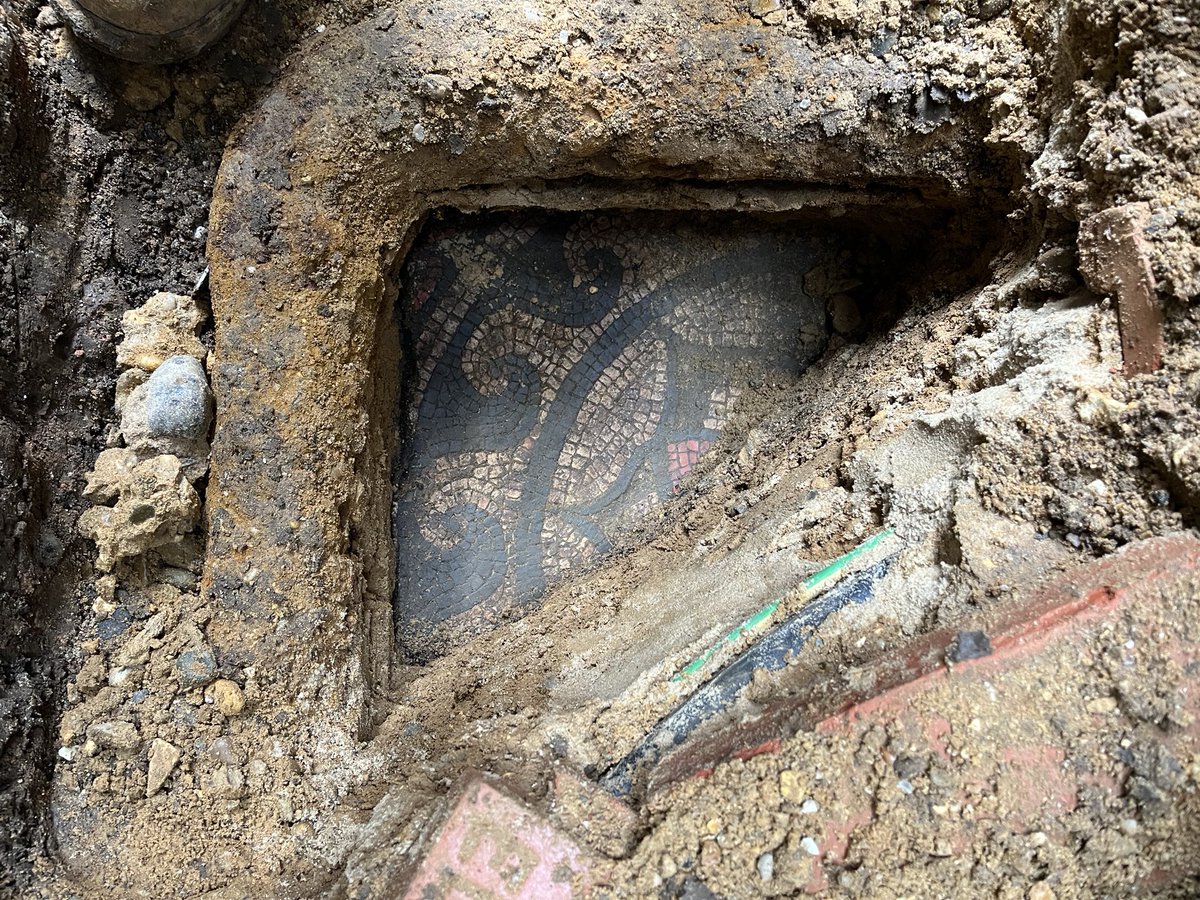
(566, 371)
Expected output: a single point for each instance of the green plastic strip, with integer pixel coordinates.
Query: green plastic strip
(760, 618)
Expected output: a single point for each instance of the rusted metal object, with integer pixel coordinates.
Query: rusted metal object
(1114, 258)
(151, 31)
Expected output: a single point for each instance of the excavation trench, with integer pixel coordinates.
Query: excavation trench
(563, 368)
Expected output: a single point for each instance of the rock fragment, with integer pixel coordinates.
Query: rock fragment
(122, 737)
(163, 757)
(137, 651)
(171, 414)
(166, 325)
(156, 506)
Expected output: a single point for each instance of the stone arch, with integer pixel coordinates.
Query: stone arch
(321, 191)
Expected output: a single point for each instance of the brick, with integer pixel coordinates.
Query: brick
(493, 846)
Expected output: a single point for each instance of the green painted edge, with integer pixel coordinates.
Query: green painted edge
(760, 618)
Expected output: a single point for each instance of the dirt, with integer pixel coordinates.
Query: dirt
(955, 816)
(262, 740)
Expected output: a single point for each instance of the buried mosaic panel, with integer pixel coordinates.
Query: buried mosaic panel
(565, 373)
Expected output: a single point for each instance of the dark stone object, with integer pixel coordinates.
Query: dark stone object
(196, 668)
(178, 402)
(970, 645)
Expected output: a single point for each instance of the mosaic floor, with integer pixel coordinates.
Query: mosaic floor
(566, 372)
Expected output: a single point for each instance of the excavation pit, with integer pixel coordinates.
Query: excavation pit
(564, 372)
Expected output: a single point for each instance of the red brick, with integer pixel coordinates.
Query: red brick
(494, 846)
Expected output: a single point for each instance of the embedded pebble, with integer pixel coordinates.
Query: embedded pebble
(789, 785)
(810, 806)
(436, 87)
(1102, 706)
(195, 668)
(226, 696)
(178, 401)
(809, 846)
(766, 866)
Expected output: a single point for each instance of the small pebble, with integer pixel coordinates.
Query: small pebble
(195, 668)
(970, 645)
(905, 786)
(1130, 826)
(226, 696)
(810, 806)
(809, 846)
(766, 866)
(1102, 706)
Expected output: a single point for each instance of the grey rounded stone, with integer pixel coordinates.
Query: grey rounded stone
(196, 668)
(178, 401)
